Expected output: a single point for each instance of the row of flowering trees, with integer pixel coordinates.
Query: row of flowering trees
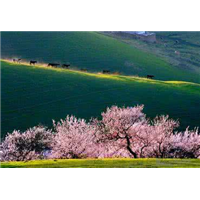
(122, 132)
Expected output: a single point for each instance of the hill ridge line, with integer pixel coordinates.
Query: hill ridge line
(101, 75)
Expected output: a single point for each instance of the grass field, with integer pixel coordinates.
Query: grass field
(106, 163)
(33, 95)
(186, 43)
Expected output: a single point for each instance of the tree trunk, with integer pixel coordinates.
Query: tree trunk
(129, 147)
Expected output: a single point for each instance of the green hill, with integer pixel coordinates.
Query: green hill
(33, 95)
(90, 50)
(180, 49)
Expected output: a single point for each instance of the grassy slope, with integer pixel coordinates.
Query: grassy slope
(106, 163)
(90, 50)
(32, 95)
(188, 45)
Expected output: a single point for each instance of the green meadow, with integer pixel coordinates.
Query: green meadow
(32, 95)
(106, 163)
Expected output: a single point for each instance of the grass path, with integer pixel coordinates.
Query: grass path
(106, 163)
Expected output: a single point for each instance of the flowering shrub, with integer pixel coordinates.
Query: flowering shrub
(122, 132)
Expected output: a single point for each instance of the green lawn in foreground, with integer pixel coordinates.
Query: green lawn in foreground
(32, 95)
(106, 163)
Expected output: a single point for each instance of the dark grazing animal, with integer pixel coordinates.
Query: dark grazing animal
(150, 76)
(33, 62)
(84, 70)
(66, 66)
(106, 71)
(17, 60)
(53, 65)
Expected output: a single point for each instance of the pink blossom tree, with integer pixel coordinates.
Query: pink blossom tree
(125, 132)
(118, 128)
(28, 145)
(74, 138)
(162, 134)
(186, 144)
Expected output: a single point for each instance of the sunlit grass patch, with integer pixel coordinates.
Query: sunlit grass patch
(100, 74)
(106, 163)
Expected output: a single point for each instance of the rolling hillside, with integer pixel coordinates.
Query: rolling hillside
(90, 50)
(185, 44)
(36, 94)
